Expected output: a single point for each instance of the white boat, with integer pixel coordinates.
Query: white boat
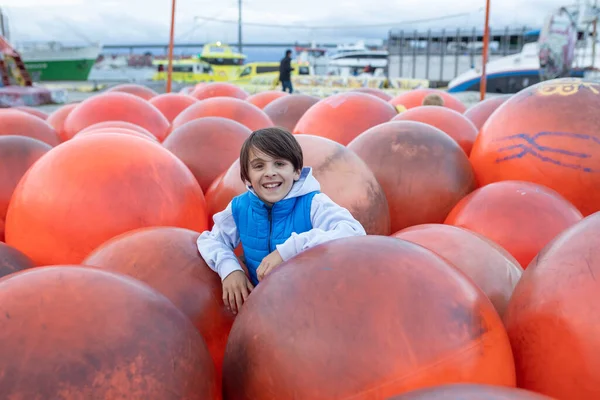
(356, 59)
(346, 60)
(515, 72)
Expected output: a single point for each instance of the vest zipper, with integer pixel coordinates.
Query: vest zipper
(270, 228)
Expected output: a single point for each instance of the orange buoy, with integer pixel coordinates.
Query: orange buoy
(551, 318)
(118, 124)
(548, 134)
(15, 122)
(344, 116)
(57, 120)
(80, 333)
(18, 153)
(480, 112)
(314, 326)
(262, 99)
(454, 124)
(167, 260)
(375, 92)
(227, 107)
(436, 172)
(12, 260)
(286, 111)
(218, 89)
(522, 217)
(86, 191)
(493, 269)
(172, 104)
(117, 106)
(208, 146)
(137, 90)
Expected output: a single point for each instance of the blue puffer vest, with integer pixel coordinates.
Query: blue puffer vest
(261, 228)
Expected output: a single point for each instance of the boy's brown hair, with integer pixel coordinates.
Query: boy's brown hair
(433, 99)
(274, 142)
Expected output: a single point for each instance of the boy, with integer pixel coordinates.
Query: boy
(282, 213)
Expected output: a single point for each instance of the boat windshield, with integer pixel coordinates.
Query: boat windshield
(223, 61)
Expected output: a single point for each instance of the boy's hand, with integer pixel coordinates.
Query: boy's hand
(236, 288)
(268, 263)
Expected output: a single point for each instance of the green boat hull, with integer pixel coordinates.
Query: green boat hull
(63, 70)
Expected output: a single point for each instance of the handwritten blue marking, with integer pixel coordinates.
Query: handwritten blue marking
(544, 153)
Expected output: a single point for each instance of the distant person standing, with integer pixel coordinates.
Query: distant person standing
(285, 69)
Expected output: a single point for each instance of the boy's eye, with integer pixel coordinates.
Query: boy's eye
(279, 164)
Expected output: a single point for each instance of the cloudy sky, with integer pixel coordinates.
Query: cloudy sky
(147, 21)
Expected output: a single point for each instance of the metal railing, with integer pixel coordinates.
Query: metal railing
(441, 55)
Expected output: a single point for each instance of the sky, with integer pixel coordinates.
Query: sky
(148, 21)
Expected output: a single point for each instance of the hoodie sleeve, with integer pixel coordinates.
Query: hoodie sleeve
(329, 220)
(216, 246)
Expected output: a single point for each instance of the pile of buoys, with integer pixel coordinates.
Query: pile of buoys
(477, 279)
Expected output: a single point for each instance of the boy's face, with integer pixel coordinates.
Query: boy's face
(271, 178)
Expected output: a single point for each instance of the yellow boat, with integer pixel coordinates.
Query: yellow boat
(216, 63)
(225, 63)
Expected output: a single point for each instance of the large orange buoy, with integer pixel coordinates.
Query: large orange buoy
(88, 190)
(18, 153)
(343, 177)
(465, 391)
(286, 111)
(208, 146)
(521, 217)
(227, 107)
(172, 104)
(69, 332)
(57, 120)
(552, 317)
(348, 181)
(491, 267)
(218, 89)
(138, 90)
(423, 171)
(456, 125)
(480, 112)
(167, 259)
(15, 122)
(549, 134)
(116, 106)
(317, 323)
(12, 260)
(375, 92)
(262, 99)
(344, 116)
(414, 98)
